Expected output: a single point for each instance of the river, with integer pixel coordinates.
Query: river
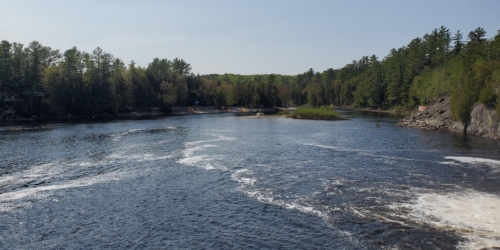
(223, 181)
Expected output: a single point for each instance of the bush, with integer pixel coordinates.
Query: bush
(487, 95)
(323, 113)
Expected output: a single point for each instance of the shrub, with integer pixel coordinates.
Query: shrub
(323, 113)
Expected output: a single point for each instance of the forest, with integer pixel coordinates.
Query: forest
(47, 81)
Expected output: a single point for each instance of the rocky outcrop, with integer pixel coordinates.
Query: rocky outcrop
(484, 121)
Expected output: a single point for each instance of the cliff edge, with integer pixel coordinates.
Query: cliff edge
(437, 116)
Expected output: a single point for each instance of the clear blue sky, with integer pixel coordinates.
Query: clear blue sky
(240, 36)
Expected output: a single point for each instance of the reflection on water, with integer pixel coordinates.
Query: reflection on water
(461, 142)
(227, 181)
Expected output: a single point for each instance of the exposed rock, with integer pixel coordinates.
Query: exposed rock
(484, 121)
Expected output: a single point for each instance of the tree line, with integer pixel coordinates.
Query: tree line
(85, 83)
(436, 64)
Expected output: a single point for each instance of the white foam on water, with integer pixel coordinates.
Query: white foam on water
(300, 203)
(190, 151)
(364, 152)
(152, 157)
(320, 146)
(238, 176)
(369, 153)
(57, 172)
(448, 163)
(117, 156)
(192, 160)
(472, 214)
(220, 138)
(248, 181)
(338, 182)
(472, 160)
(358, 213)
(85, 164)
(268, 197)
(9, 200)
(244, 177)
(122, 157)
(201, 161)
(30, 174)
(118, 136)
(208, 167)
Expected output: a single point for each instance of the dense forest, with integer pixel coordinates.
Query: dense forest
(80, 83)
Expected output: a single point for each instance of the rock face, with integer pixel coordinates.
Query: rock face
(484, 121)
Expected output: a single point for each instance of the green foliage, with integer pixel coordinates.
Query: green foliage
(494, 47)
(421, 91)
(220, 99)
(369, 90)
(181, 67)
(169, 96)
(486, 79)
(90, 83)
(323, 113)
(462, 101)
(487, 95)
(284, 112)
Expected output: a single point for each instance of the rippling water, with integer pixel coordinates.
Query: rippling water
(232, 181)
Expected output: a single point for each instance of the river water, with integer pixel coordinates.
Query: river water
(225, 181)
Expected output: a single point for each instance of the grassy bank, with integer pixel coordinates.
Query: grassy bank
(322, 113)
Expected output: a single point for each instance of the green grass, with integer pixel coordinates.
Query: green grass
(323, 113)
(284, 112)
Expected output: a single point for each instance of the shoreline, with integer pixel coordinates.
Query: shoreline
(134, 115)
(182, 111)
(483, 121)
(405, 112)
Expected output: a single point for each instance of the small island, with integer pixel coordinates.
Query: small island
(321, 113)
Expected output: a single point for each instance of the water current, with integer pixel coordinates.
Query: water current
(225, 181)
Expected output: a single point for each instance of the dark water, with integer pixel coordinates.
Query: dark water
(232, 181)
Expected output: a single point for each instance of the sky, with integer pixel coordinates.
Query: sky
(240, 36)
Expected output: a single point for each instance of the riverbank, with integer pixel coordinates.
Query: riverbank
(437, 116)
(154, 112)
(214, 110)
(399, 111)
